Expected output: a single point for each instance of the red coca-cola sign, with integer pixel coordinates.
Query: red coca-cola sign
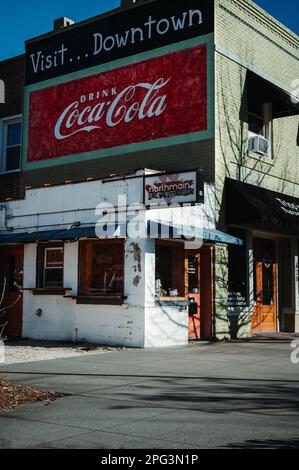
(157, 98)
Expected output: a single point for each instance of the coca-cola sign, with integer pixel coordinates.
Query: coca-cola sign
(136, 103)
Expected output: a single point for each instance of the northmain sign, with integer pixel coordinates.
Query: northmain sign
(117, 36)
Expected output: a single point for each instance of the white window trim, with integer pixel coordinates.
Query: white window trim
(3, 124)
(267, 128)
(54, 248)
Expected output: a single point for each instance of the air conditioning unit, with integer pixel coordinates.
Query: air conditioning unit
(258, 144)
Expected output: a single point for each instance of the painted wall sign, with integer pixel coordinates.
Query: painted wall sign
(176, 188)
(117, 36)
(141, 102)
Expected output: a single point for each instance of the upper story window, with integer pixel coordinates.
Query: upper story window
(11, 137)
(260, 128)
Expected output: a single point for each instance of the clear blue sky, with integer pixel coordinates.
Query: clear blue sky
(24, 19)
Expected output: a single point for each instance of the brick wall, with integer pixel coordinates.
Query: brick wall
(247, 37)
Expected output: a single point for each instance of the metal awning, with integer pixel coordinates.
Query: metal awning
(259, 208)
(155, 229)
(262, 90)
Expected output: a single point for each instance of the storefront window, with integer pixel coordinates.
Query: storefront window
(170, 270)
(102, 268)
(238, 272)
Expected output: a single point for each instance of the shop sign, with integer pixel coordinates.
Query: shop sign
(175, 188)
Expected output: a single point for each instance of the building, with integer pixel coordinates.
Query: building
(189, 104)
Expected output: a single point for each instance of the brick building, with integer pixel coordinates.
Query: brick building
(111, 122)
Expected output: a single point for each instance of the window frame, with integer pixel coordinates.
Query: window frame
(183, 295)
(83, 283)
(4, 123)
(48, 268)
(267, 117)
(42, 249)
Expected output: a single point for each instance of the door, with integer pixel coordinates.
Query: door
(206, 288)
(200, 293)
(264, 317)
(11, 276)
(192, 270)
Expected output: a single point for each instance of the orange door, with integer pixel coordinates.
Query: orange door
(264, 318)
(192, 270)
(200, 290)
(11, 275)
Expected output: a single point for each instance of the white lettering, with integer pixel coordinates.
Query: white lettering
(179, 23)
(107, 40)
(139, 31)
(191, 14)
(98, 43)
(35, 59)
(125, 107)
(166, 26)
(121, 41)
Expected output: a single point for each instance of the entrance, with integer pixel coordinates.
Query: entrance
(11, 275)
(198, 271)
(264, 317)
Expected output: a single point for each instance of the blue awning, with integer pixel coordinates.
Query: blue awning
(155, 229)
(213, 235)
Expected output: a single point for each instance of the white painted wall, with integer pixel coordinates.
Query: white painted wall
(105, 324)
(139, 322)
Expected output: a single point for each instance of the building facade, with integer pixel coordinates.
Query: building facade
(157, 196)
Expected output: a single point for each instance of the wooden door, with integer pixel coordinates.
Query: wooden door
(192, 272)
(264, 317)
(206, 289)
(199, 268)
(11, 274)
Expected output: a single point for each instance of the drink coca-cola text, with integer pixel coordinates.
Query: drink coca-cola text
(124, 108)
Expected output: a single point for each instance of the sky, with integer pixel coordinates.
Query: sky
(25, 19)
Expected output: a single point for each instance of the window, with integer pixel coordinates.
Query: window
(238, 272)
(170, 270)
(50, 266)
(102, 268)
(11, 144)
(260, 128)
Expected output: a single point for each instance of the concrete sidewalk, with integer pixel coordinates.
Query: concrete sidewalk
(223, 395)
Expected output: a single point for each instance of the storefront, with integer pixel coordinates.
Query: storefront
(270, 224)
(103, 282)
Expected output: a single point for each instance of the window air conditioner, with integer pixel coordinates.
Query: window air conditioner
(258, 144)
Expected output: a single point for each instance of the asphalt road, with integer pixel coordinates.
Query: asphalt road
(223, 395)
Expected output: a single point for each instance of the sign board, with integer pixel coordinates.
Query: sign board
(117, 35)
(140, 102)
(175, 188)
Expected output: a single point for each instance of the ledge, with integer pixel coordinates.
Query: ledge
(97, 300)
(47, 291)
(172, 301)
